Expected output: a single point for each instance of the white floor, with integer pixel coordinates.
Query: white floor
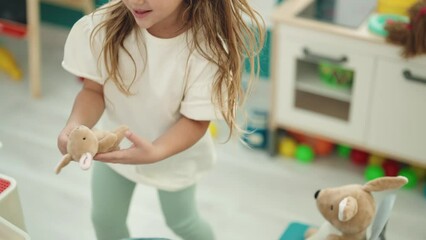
(247, 196)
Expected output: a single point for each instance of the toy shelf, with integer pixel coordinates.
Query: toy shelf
(13, 29)
(31, 31)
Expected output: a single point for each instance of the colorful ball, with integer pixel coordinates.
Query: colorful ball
(343, 151)
(410, 174)
(373, 171)
(287, 147)
(375, 160)
(323, 147)
(359, 157)
(213, 130)
(391, 168)
(304, 153)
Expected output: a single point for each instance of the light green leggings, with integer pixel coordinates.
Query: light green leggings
(111, 195)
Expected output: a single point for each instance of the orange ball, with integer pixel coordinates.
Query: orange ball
(323, 147)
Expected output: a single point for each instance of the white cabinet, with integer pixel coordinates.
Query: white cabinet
(384, 111)
(303, 101)
(398, 110)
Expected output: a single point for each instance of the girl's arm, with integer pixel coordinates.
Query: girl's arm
(88, 108)
(182, 135)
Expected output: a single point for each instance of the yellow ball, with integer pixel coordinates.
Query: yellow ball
(213, 130)
(376, 160)
(287, 147)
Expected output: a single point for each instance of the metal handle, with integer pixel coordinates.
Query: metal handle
(409, 76)
(319, 57)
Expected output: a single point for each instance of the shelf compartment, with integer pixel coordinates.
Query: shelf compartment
(308, 80)
(322, 105)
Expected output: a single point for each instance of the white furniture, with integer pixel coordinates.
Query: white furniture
(385, 110)
(12, 225)
(33, 35)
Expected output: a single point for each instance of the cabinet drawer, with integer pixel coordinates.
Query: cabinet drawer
(398, 118)
(304, 101)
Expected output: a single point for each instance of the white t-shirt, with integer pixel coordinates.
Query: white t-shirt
(174, 82)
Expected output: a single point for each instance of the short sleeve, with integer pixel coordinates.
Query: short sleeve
(197, 102)
(81, 56)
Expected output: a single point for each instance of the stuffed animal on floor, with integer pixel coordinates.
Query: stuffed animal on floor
(411, 36)
(350, 209)
(84, 143)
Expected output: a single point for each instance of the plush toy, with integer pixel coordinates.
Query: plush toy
(84, 143)
(350, 209)
(411, 36)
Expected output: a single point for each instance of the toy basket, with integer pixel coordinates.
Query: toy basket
(399, 7)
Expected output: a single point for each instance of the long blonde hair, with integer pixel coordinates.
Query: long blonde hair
(232, 31)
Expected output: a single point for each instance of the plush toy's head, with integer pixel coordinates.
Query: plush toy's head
(82, 140)
(351, 208)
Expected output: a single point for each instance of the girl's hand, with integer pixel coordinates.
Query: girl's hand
(141, 152)
(63, 139)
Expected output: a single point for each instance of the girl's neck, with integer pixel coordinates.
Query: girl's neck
(170, 27)
(166, 32)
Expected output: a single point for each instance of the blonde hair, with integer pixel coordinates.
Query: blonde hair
(231, 31)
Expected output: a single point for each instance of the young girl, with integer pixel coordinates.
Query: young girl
(165, 68)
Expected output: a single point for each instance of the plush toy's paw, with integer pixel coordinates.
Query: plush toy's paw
(86, 161)
(310, 232)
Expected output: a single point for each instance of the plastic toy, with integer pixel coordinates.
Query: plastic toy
(350, 209)
(335, 76)
(304, 153)
(343, 151)
(377, 23)
(320, 146)
(84, 143)
(323, 147)
(394, 6)
(391, 168)
(213, 130)
(9, 65)
(359, 157)
(411, 36)
(410, 175)
(257, 128)
(373, 171)
(375, 160)
(287, 147)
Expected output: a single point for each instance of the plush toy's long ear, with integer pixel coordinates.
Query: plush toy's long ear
(385, 183)
(65, 160)
(348, 208)
(86, 161)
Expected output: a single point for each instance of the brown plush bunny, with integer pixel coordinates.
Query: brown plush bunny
(411, 36)
(84, 143)
(350, 209)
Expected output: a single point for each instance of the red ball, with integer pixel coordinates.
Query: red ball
(391, 168)
(359, 157)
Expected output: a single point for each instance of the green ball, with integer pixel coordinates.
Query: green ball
(411, 175)
(373, 171)
(343, 151)
(304, 153)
